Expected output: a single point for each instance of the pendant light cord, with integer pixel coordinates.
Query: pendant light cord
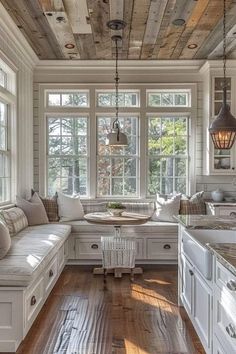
(224, 53)
(117, 82)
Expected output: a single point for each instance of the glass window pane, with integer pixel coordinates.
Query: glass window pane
(104, 167)
(130, 187)
(54, 99)
(54, 126)
(168, 98)
(104, 185)
(54, 145)
(3, 78)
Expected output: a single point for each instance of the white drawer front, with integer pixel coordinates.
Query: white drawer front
(34, 299)
(50, 275)
(226, 211)
(225, 321)
(88, 248)
(225, 280)
(217, 347)
(162, 249)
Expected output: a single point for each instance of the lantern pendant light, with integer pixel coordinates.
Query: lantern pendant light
(116, 137)
(223, 128)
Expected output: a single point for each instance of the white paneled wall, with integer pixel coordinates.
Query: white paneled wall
(18, 54)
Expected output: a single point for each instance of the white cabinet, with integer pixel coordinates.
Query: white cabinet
(196, 297)
(221, 209)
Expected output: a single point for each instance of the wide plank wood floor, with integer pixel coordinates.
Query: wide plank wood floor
(142, 317)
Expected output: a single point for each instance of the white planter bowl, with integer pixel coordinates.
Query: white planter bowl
(115, 212)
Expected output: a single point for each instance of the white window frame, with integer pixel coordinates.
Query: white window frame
(8, 97)
(93, 111)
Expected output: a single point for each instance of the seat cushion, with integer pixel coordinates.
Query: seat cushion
(31, 251)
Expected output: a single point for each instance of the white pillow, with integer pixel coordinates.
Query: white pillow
(5, 240)
(166, 209)
(33, 209)
(69, 208)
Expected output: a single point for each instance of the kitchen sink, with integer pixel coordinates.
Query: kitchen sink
(194, 246)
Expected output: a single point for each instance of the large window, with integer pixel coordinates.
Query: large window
(117, 167)
(68, 154)
(4, 155)
(168, 154)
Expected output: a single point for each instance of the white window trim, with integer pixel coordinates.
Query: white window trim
(93, 111)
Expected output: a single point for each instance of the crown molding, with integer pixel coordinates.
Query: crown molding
(217, 64)
(18, 42)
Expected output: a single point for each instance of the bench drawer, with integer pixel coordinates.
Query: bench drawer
(88, 248)
(164, 249)
(50, 275)
(34, 300)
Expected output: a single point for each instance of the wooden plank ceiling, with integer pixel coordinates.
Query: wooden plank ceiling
(76, 29)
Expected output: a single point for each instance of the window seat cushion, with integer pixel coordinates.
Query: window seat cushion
(31, 251)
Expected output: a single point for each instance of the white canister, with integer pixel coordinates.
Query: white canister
(217, 195)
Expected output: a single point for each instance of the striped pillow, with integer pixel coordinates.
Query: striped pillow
(51, 207)
(15, 220)
(145, 208)
(193, 205)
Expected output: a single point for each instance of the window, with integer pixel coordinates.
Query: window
(4, 155)
(168, 154)
(125, 99)
(166, 98)
(117, 167)
(3, 78)
(67, 154)
(68, 99)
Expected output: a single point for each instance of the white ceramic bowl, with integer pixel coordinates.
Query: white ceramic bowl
(115, 212)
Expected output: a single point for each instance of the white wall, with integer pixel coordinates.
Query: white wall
(22, 59)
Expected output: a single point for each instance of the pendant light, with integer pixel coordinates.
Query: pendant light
(116, 137)
(223, 128)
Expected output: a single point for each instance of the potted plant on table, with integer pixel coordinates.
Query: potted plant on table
(115, 208)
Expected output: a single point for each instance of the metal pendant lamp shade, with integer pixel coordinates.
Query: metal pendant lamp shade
(116, 137)
(223, 128)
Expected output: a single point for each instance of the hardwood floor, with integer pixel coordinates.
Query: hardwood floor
(79, 317)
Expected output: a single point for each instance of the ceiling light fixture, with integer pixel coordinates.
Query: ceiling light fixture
(70, 46)
(178, 22)
(223, 128)
(116, 137)
(192, 46)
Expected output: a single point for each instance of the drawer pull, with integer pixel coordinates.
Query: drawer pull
(94, 246)
(231, 285)
(231, 330)
(33, 300)
(167, 247)
(51, 273)
(191, 272)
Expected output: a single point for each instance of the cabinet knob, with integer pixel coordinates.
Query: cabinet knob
(231, 330)
(33, 300)
(94, 246)
(167, 247)
(233, 168)
(51, 273)
(191, 272)
(231, 285)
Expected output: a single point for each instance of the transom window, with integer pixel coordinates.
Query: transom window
(125, 99)
(117, 167)
(3, 78)
(167, 98)
(68, 99)
(67, 154)
(168, 154)
(4, 155)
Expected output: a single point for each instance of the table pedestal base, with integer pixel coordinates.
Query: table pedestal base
(118, 271)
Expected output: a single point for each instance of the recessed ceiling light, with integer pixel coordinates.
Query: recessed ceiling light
(69, 46)
(60, 19)
(192, 46)
(49, 14)
(178, 22)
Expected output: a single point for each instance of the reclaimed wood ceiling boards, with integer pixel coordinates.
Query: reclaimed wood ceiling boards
(156, 29)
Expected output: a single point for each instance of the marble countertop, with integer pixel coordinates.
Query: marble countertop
(225, 253)
(207, 222)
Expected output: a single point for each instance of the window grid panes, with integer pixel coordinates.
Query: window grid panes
(68, 99)
(168, 154)
(168, 99)
(67, 154)
(4, 155)
(125, 99)
(117, 167)
(3, 78)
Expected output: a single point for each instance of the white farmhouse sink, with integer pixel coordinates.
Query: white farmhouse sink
(194, 246)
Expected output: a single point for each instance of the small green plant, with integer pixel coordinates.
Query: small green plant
(115, 205)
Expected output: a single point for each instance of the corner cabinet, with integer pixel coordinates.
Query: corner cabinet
(217, 162)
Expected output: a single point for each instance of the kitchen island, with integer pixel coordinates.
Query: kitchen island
(207, 279)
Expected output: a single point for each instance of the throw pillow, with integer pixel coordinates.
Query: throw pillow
(193, 205)
(15, 220)
(33, 209)
(69, 208)
(166, 209)
(5, 240)
(50, 205)
(145, 208)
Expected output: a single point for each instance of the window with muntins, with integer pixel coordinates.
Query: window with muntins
(67, 154)
(68, 99)
(5, 157)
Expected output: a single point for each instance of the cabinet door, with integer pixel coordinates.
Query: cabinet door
(187, 285)
(202, 305)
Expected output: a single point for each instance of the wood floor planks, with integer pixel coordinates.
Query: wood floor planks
(79, 317)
